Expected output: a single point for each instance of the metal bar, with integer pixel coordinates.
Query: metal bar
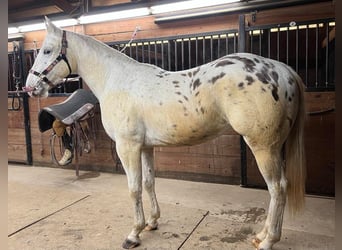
(155, 53)
(260, 42)
(316, 61)
(269, 43)
(278, 42)
(287, 45)
(219, 46)
(196, 49)
(327, 55)
(182, 53)
(297, 34)
(162, 52)
(306, 53)
(243, 152)
(242, 34)
(251, 36)
(203, 49)
(169, 55)
(176, 55)
(211, 48)
(227, 44)
(149, 52)
(189, 50)
(26, 106)
(136, 52)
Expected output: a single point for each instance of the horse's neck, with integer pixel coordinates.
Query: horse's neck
(97, 64)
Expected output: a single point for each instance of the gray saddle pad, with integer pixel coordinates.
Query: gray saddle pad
(69, 111)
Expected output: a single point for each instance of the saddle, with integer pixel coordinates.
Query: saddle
(74, 112)
(73, 109)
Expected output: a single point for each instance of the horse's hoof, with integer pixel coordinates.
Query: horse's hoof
(150, 227)
(128, 244)
(256, 243)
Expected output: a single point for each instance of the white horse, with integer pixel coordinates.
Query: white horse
(143, 106)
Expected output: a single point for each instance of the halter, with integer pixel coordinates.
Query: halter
(60, 57)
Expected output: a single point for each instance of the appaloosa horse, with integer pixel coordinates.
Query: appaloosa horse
(143, 106)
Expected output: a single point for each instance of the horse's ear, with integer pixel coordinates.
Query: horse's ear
(49, 25)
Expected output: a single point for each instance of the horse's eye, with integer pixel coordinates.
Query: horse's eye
(47, 51)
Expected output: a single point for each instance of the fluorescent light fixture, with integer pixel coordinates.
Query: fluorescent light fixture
(13, 30)
(186, 5)
(66, 22)
(31, 27)
(114, 15)
(41, 26)
(181, 16)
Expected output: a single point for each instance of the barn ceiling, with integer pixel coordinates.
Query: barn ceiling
(24, 11)
(32, 10)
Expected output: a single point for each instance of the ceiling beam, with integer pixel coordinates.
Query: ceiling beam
(64, 5)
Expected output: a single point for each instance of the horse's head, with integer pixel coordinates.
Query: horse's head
(51, 64)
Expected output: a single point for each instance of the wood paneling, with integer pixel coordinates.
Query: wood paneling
(16, 142)
(16, 119)
(218, 157)
(16, 152)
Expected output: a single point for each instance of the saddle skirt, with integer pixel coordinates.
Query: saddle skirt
(74, 108)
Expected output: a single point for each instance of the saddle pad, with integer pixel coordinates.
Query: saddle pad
(68, 111)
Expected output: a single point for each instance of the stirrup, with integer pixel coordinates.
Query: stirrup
(66, 159)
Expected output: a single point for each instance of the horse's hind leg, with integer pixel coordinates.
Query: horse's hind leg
(271, 166)
(149, 184)
(130, 156)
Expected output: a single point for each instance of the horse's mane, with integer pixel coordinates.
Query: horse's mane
(106, 48)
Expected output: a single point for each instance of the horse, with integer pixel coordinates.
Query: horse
(143, 106)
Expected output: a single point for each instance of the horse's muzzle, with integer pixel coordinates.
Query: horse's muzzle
(32, 91)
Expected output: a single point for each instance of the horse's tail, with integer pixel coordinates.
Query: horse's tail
(295, 156)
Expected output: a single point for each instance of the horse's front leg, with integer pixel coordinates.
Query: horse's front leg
(130, 156)
(149, 184)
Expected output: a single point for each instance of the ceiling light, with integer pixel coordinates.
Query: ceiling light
(31, 27)
(13, 30)
(66, 22)
(186, 5)
(41, 26)
(114, 15)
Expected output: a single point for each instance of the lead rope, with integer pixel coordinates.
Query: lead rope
(132, 38)
(16, 77)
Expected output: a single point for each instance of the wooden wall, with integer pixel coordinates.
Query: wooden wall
(217, 160)
(16, 146)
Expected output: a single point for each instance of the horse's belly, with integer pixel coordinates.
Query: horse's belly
(184, 132)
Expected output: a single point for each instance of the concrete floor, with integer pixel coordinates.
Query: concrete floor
(51, 208)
